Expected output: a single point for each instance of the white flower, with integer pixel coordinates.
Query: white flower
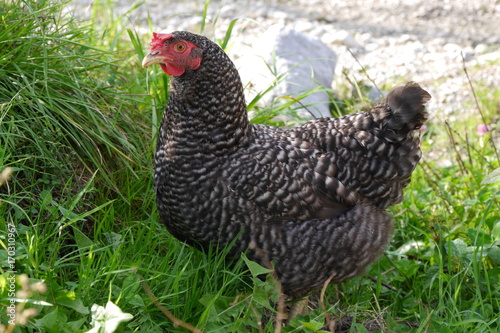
(106, 320)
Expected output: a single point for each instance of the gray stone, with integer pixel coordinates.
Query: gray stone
(302, 62)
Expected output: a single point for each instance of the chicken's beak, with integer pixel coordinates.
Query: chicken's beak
(154, 57)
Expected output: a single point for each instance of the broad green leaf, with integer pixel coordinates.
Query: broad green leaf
(479, 237)
(82, 241)
(75, 325)
(496, 231)
(53, 321)
(76, 305)
(444, 329)
(493, 177)
(255, 268)
(312, 325)
(494, 254)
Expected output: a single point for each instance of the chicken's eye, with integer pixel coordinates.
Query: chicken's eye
(180, 47)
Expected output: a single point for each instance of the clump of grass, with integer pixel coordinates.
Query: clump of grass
(60, 108)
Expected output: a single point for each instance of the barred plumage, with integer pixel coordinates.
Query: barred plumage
(311, 198)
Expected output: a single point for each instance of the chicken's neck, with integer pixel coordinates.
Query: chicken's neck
(206, 113)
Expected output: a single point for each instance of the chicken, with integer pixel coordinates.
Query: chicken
(310, 199)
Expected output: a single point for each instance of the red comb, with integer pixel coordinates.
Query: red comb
(159, 40)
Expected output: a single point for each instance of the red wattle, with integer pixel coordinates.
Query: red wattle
(172, 70)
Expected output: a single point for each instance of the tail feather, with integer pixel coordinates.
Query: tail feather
(406, 108)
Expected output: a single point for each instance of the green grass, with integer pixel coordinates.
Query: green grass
(78, 120)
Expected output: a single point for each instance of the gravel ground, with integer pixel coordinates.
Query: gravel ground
(395, 40)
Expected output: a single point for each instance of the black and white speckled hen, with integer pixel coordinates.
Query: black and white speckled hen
(311, 198)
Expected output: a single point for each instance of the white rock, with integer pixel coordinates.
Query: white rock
(481, 48)
(304, 63)
(492, 56)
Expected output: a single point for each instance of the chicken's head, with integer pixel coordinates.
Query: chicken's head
(174, 55)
